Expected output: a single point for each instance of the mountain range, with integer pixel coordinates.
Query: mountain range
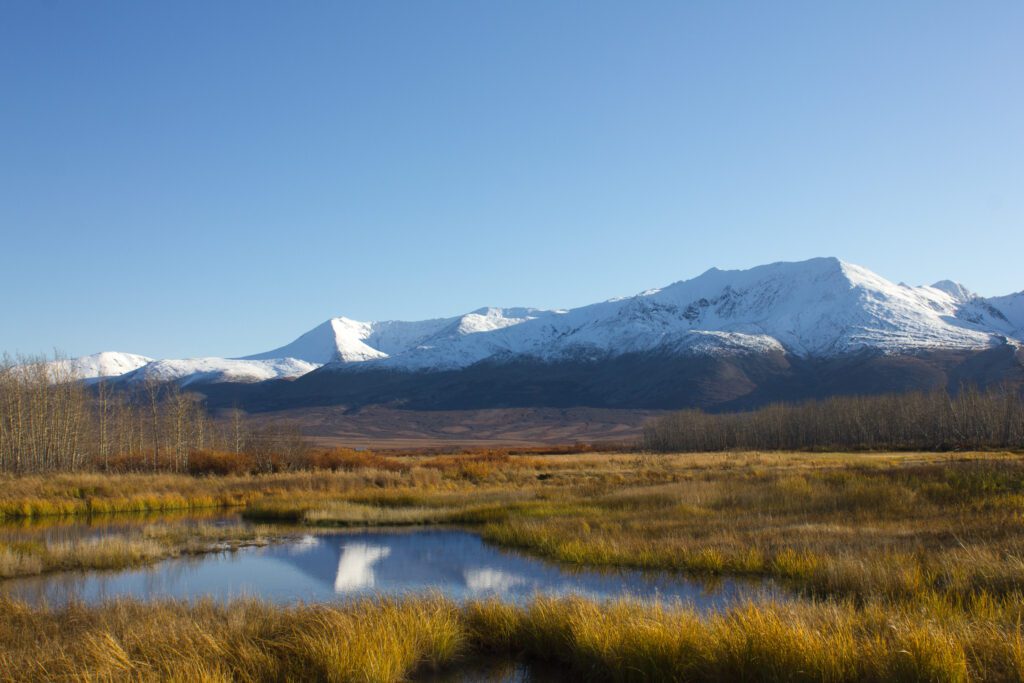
(724, 339)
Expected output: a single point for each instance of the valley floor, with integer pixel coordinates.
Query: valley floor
(383, 427)
(907, 567)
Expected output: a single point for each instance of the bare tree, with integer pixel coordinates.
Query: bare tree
(913, 421)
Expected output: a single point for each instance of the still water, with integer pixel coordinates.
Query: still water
(349, 565)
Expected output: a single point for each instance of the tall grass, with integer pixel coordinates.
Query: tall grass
(90, 494)
(123, 550)
(387, 640)
(247, 640)
(358, 474)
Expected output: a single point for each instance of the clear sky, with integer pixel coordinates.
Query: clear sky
(213, 178)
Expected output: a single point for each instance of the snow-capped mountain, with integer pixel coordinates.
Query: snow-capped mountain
(817, 308)
(820, 308)
(345, 341)
(101, 365)
(205, 370)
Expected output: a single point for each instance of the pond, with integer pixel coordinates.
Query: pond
(355, 564)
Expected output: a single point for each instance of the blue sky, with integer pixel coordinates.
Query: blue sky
(214, 178)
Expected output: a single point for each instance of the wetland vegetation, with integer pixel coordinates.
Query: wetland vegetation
(909, 566)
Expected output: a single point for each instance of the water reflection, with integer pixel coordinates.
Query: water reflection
(495, 671)
(304, 544)
(355, 566)
(58, 529)
(349, 565)
(491, 580)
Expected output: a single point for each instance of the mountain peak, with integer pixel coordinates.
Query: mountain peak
(956, 290)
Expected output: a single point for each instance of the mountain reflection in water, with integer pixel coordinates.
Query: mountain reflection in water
(355, 566)
(348, 565)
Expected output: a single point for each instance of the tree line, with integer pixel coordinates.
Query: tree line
(937, 420)
(51, 421)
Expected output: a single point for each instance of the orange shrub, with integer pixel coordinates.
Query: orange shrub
(129, 462)
(350, 459)
(220, 462)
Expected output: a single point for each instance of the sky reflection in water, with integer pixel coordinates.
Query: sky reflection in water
(350, 565)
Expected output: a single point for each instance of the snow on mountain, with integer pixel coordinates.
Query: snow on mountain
(818, 307)
(101, 365)
(341, 340)
(1002, 314)
(823, 307)
(815, 308)
(1011, 309)
(338, 339)
(205, 370)
(465, 339)
(955, 290)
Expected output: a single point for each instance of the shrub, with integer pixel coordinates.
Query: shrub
(220, 462)
(349, 459)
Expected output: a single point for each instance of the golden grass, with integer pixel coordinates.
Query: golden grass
(387, 640)
(90, 494)
(248, 641)
(916, 562)
(343, 513)
(891, 527)
(123, 550)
